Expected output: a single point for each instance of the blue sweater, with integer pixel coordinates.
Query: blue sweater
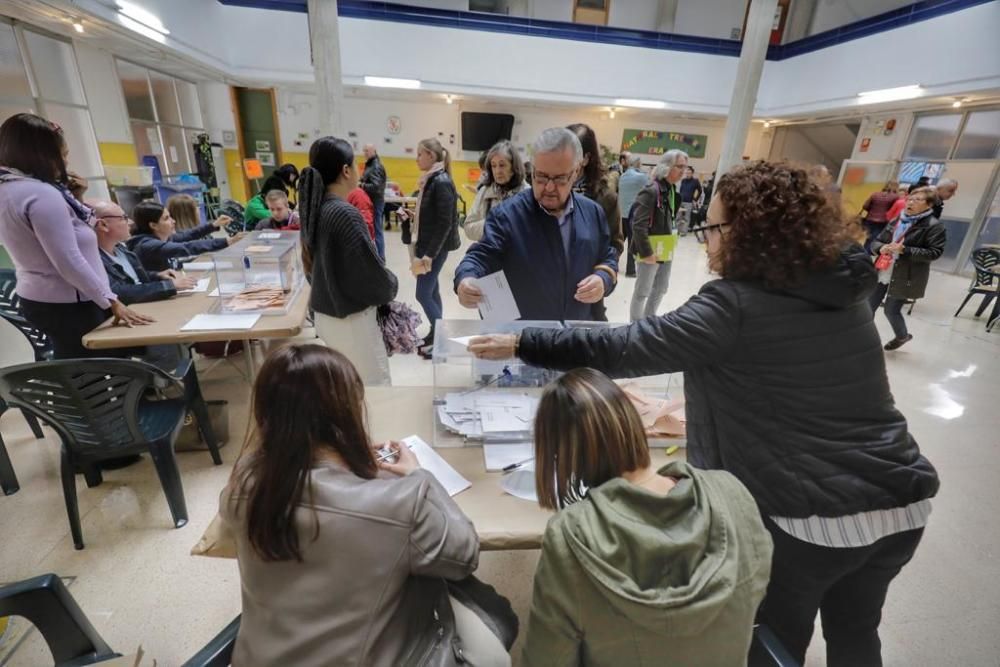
(524, 240)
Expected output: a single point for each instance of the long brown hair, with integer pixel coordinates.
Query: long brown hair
(586, 432)
(184, 210)
(307, 399)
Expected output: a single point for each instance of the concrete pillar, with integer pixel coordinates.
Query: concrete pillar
(748, 72)
(324, 39)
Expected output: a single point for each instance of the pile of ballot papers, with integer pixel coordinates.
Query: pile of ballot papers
(489, 414)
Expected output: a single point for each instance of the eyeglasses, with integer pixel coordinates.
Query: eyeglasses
(701, 233)
(561, 180)
(112, 217)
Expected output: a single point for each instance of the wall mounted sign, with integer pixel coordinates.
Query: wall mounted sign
(394, 125)
(865, 143)
(252, 169)
(262, 145)
(266, 159)
(654, 142)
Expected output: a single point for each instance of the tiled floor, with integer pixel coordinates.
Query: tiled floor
(138, 584)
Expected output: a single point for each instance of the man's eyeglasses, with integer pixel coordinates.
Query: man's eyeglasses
(701, 232)
(544, 179)
(112, 217)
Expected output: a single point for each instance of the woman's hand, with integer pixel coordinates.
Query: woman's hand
(126, 317)
(77, 185)
(235, 239)
(886, 249)
(418, 267)
(495, 347)
(222, 221)
(406, 460)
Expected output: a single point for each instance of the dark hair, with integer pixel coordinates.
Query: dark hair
(327, 158)
(593, 172)
(516, 165)
(306, 399)
(288, 173)
(586, 432)
(33, 146)
(146, 213)
(782, 225)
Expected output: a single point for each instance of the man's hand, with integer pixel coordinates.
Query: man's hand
(469, 295)
(649, 260)
(590, 289)
(169, 274)
(495, 347)
(184, 282)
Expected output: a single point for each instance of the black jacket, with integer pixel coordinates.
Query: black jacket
(373, 180)
(924, 242)
(155, 254)
(787, 390)
(438, 229)
(149, 288)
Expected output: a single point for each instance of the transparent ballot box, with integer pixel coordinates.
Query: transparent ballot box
(493, 403)
(260, 274)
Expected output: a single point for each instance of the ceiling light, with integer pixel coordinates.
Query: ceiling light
(448, 98)
(143, 30)
(143, 16)
(641, 104)
(611, 114)
(389, 82)
(78, 27)
(767, 123)
(956, 104)
(890, 94)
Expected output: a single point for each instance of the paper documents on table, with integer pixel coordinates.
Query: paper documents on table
(432, 462)
(199, 266)
(498, 304)
(499, 455)
(521, 482)
(213, 322)
(491, 415)
(660, 417)
(202, 286)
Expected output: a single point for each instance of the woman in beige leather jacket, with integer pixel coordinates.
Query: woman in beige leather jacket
(326, 541)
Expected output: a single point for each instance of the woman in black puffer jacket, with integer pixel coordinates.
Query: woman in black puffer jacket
(786, 389)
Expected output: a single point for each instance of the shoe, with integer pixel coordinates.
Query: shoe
(426, 351)
(630, 275)
(897, 343)
(428, 340)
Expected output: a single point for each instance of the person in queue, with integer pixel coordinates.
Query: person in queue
(945, 190)
(593, 182)
(639, 565)
(875, 211)
(328, 536)
(360, 200)
(552, 244)
(631, 182)
(656, 208)
(909, 245)
(282, 217)
(63, 289)
(156, 240)
(435, 231)
(503, 177)
(349, 280)
(373, 181)
(786, 388)
(690, 191)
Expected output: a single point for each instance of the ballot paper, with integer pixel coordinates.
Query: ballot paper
(500, 419)
(498, 305)
(463, 340)
(269, 235)
(489, 415)
(212, 322)
(202, 286)
(521, 482)
(432, 462)
(199, 266)
(499, 455)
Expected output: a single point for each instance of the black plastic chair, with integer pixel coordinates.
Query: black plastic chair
(45, 602)
(767, 649)
(101, 410)
(986, 263)
(10, 310)
(219, 651)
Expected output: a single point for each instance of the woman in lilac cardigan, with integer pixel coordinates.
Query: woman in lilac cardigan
(61, 281)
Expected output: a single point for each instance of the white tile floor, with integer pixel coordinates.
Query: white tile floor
(137, 583)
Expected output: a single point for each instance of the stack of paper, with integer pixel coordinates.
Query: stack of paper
(660, 417)
(432, 462)
(489, 415)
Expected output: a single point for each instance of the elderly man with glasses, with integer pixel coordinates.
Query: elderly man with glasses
(554, 246)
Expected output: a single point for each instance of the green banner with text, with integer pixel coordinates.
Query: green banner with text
(653, 142)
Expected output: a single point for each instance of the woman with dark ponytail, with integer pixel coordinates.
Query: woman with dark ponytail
(349, 280)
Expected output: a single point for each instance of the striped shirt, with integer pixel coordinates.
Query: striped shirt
(856, 530)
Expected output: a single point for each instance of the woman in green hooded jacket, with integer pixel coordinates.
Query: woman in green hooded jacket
(640, 566)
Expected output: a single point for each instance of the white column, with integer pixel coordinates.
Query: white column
(324, 38)
(751, 65)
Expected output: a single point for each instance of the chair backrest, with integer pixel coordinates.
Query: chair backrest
(46, 603)
(219, 651)
(766, 649)
(10, 310)
(91, 403)
(986, 262)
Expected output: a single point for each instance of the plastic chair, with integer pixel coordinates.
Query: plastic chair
(766, 649)
(45, 602)
(219, 651)
(986, 263)
(101, 411)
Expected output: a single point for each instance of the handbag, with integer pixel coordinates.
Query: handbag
(883, 262)
(190, 440)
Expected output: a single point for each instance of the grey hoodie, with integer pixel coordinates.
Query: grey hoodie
(628, 577)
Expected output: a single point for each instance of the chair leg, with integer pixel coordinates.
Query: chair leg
(69, 493)
(36, 428)
(92, 475)
(163, 457)
(196, 403)
(986, 302)
(8, 480)
(964, 301)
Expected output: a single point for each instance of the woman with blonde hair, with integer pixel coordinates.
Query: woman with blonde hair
(640, 565)
(184, 210)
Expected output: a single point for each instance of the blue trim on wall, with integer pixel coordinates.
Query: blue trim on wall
(447, 18)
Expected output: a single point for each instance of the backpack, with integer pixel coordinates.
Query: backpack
(235, 211)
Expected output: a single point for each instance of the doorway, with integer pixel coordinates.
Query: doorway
(257, 131)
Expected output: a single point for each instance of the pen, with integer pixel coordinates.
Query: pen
(672, 449)
(514, 466)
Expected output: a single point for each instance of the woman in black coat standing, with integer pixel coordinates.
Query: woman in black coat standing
(904, 252)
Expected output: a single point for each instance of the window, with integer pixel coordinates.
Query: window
(164, 115)
(933, 136)
(980, 137)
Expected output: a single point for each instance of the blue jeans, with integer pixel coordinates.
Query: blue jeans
(429, 291)
(380, 229)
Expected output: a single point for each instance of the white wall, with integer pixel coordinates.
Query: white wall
(709, 18)
(636, 14)
(882, 146)
(832, 14)
(104, 93)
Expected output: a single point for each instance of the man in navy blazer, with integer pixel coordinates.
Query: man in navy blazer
(553, 246)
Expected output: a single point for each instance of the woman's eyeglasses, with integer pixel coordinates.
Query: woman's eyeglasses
(701, 233)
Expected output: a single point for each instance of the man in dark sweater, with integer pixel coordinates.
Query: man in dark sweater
(373, 183)
(553, 246)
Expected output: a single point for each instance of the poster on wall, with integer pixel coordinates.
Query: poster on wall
(654, 142)
(265, 159)
(911, 172)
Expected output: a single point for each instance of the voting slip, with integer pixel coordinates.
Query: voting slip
(499, 455)
(521, 482)
(498, 305)
(212, 322)
(432, 462)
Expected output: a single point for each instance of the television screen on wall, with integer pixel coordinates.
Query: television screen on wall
(481, 130)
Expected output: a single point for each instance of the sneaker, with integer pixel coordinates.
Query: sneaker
(426, 351)
(897, 343)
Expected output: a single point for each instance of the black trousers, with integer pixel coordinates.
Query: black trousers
(846, 586)
(893, 309)
(66, 324)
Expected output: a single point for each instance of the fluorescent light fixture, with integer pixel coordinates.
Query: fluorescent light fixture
(641, 104)
(449, 99)
(956, 104)
(78, 27)
(389, 82)
(145, 31)
(142, 16)
(767, 123)
(611, 114)
(890, 94)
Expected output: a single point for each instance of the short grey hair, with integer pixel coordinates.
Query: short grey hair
(945, 182)
(669, 159)
(556, 140)
(634, 161)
